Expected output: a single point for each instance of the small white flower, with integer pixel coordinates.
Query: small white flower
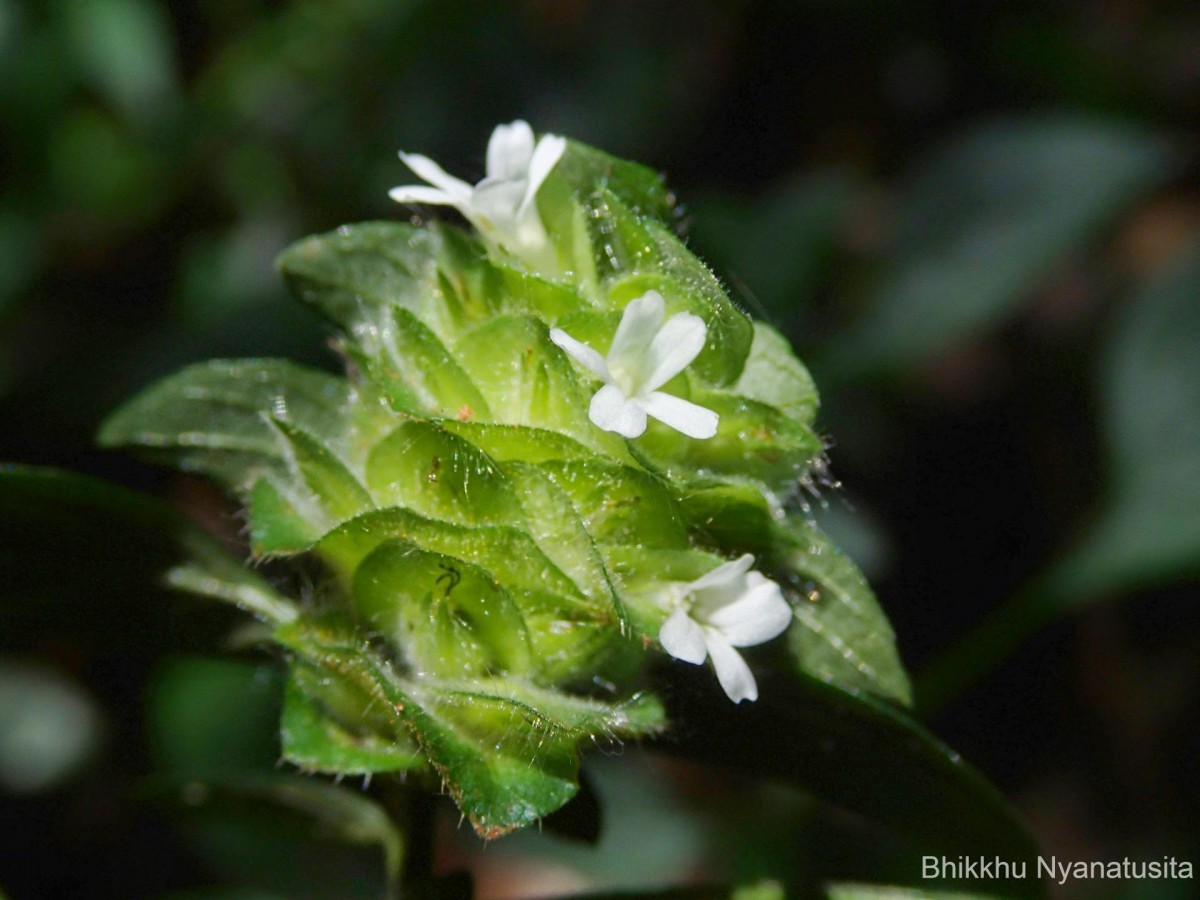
(502, 206)
(731, 606)
(646, 353)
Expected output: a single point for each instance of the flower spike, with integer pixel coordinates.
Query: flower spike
(729, 607)
(503, 205)
(646, 353)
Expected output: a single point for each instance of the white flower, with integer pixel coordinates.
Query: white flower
(728, 607)
(502, 206)
(645, 354)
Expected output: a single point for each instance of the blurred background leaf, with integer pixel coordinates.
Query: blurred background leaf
(1017, 173)
(978, 224)
(1148, 528)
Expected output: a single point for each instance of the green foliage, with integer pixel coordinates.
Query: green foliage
(506, 750)
(494, 556)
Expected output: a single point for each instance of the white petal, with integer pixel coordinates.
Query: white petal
(674, 347)
(426, 169)
(581, 353)
(509, 151)
(690, 418)
(733, 673)
(758, 616)
(418, 193)
(725, 574)
(611, 410)
(640, 322)
(682, 638)
(546, 155)
(496, 202)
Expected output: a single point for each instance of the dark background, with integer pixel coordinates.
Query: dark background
(157, 157)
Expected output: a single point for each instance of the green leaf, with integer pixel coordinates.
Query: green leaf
(281, 522)
(840, 634)
(574, 634)
(339, 493)
(213, 417)
(507, 751)
(422, 375)
(509, 554)
(357, 274)
(988, 217)
(730, 515)
(450, 619)
(620, 504)
(856, 751)
(519, 443)
(321, 733)
(640, 254)
(775, 376)
(436, 474)
(1149, 527)
(638, 187)
(527, 380)
(753, 441)
(556, 527)
(125, 48)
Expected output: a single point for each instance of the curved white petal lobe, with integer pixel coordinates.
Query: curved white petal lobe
(546, 155)
(611, 410)
(728, 573)
(509, 151)
(735, 676)
(427, 170)
(419, 193)
(681, 637)
(756, 618)
(689, 418)
(582, 354)
(640, 321)
(672, 350)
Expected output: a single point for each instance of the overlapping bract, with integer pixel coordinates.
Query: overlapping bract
(497, 564)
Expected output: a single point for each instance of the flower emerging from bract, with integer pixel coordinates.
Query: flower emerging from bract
(731, 606)
(502, 206)
(645, 354)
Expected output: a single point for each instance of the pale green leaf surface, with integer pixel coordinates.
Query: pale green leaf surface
(213, 417)
(439, 475)
(840, 633)
(507, 751)
(775, 376)
(315, 741)
(640, 254)
(358, 273)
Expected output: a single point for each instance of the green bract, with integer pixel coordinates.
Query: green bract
(491, 564)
